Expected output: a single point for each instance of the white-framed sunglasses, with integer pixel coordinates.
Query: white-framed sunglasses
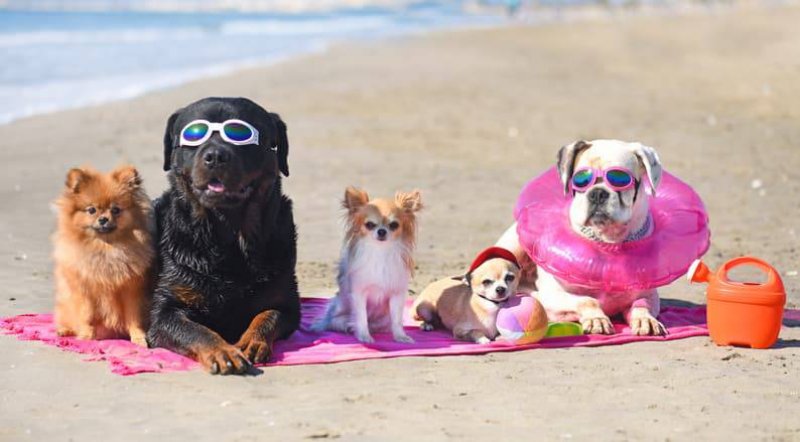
(236, 132)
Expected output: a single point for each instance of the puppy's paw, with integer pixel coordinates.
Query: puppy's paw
(364, 337)
(64, 331)
(255, 349)
(138, 337)
(87, 333)
(223, 359)
(483, 340)
(600, 325)
(647, 326)
(404, 338)
(426, 326)
(318, 327)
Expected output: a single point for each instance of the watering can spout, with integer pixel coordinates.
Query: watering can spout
(699, 272)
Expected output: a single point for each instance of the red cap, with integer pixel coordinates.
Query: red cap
(490, 253)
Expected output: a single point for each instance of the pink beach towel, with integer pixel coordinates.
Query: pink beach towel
(305, 347)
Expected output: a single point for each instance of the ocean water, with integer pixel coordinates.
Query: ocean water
(60, 60)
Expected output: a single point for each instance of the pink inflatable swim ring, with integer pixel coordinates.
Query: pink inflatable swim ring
(680, 236)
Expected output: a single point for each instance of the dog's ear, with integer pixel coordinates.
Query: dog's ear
(76, 178)
(128, 176)
(652, 164)
(354, 199)
(281, 143)
(410, 202)
(465, 279)
(169, 140)
(566, 161)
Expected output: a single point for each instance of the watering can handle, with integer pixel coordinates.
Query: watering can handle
(772, 275)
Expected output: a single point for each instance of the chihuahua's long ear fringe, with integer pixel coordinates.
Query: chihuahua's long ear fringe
(354, 199)
(410, 202)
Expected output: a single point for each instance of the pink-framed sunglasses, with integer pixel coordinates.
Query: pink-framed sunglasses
(617, 178)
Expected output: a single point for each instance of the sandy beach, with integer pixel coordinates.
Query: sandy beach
(467, 117)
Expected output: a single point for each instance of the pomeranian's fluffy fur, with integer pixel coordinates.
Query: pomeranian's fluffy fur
(375, 267)
(103, 252)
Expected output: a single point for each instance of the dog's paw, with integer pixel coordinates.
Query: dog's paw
(600, 325)
(647, 326)
(86, 333)
(364, 337)
(223, 359)
(404, 338)
(139, 339)
(64, 331)
(255, 349)
(483, 340)
(426, 326)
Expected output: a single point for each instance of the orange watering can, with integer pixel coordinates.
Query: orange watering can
(745, 314)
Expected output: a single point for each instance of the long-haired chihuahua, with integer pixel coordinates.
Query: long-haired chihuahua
(375, 266)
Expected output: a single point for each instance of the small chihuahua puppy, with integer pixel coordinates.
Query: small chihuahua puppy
(375, 266)
(468, 304)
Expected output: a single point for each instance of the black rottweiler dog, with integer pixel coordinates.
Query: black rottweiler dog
(226, 285)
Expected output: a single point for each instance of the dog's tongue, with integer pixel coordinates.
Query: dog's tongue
(216, 186)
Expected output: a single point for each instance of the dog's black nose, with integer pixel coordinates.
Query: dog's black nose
(500, 290)
(102, 220)
(598, 196)
(214, 157)
(381, 233)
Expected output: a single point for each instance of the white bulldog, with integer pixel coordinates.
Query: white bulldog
(610, 205)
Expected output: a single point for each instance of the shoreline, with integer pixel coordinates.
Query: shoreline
(231, 41)
(169, 84)
(544, 16)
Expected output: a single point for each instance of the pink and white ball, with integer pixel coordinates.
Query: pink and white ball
(522, 320)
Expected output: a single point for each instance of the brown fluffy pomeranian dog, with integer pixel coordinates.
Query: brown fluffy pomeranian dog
(103, 252)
